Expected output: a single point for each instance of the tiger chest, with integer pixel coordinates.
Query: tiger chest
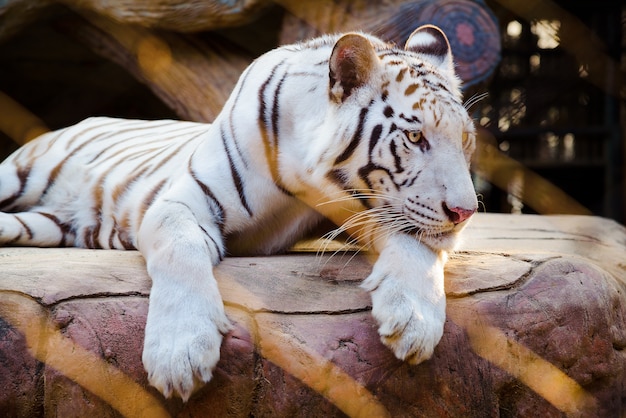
(274, 230)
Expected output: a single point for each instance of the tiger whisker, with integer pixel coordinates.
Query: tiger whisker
(351, 198)
(357, 222)
(366, 218)
(351, 242)
(385, 218)
(369, 195)
(474, 99)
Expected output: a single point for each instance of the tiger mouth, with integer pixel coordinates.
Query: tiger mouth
(423, 232)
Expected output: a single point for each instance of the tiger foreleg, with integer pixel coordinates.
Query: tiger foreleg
(186, 319)
(408, 298)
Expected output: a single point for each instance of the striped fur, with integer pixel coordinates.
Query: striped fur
(352, 117)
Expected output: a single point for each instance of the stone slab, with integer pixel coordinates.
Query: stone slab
(536, 326)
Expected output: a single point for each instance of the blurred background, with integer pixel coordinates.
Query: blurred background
(552, 124)
(556, 102)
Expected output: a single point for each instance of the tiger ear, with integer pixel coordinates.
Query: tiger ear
(430, 42)
(351, 63)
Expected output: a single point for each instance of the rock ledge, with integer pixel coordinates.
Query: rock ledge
(536, 326)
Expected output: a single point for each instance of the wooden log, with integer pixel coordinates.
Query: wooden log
(17, 14)
(193, 78)
(190, 16)
(17, 122)
(536, 322)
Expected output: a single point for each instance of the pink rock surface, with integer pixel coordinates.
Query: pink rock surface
(536, 327)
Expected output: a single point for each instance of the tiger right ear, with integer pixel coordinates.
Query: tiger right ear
(431, 43)
(351, 63)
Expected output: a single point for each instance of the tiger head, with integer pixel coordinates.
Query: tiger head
(410, 140)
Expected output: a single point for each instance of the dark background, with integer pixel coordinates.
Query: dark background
(558, 105)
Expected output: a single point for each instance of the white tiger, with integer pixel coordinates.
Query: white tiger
(348, 119)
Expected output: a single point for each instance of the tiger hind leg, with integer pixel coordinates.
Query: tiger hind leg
(33, 229)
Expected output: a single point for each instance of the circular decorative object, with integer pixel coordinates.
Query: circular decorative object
(470, 26)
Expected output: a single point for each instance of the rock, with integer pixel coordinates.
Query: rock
(536, 326)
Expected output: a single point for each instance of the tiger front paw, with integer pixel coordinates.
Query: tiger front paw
(409, 325)
(408, 298)
(180, 352)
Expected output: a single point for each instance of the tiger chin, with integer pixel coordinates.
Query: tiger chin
(344, 124)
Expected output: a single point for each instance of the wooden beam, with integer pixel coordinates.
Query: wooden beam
(193, 78)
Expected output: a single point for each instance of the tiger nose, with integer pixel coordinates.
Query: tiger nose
(458, 214)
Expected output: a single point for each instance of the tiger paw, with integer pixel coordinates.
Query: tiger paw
(408, 299)
(409, 325)
(182, 362)
(180, 352)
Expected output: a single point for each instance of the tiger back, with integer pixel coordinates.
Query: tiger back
(339, 124)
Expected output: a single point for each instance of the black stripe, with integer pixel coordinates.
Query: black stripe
(412, 119)
(110, 145)
(113, 232)
(123, 127)
(236, 143)
(262, 109)
(64, 228)
(218, 248)
(122, 188)
(276, 109)
(149, 199)
(54, 173)
(29, 231)
(392, 52)
(84, 130)
(437, 85)
(92, 236)
(98, 201)
(236, 177)
(123, 235)
(410, 182)
(339, 177)
(159, 145)
(356, 138)
(172, 154)
(220, 216)
(271, 145)
(365, 171)
(378, 129)
(119, 135)
(22, 175)
(231, 121)
(148, 157)
(393, 148)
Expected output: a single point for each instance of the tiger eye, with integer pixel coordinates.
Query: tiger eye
(414, 136)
